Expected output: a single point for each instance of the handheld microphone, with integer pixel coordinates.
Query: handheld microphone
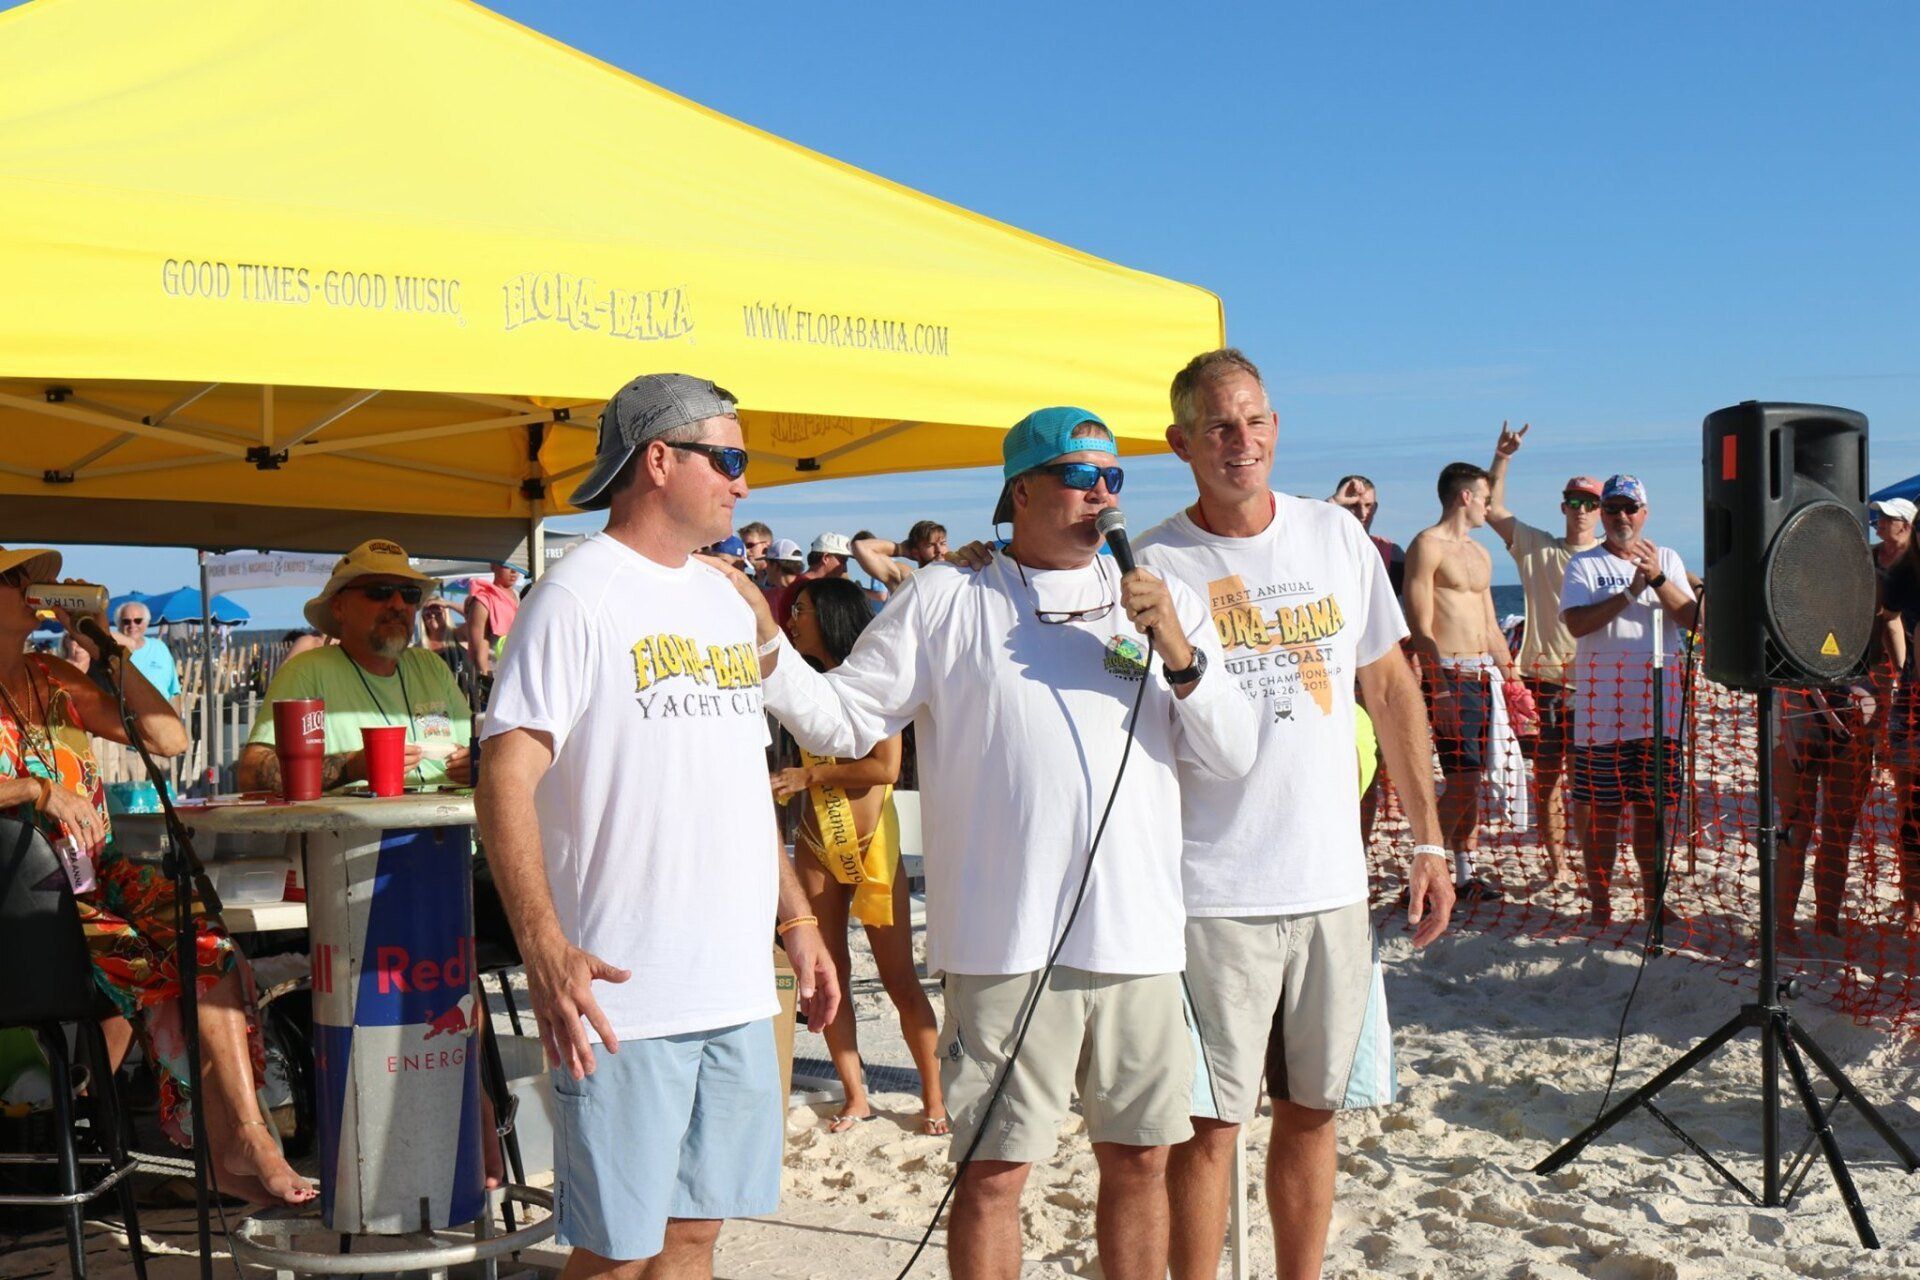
(89, 626)
(1112, 525)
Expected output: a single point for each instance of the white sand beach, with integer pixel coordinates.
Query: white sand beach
(1504, 1046)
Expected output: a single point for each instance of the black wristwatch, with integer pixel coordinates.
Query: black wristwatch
(1179, 679)
(1657, 581)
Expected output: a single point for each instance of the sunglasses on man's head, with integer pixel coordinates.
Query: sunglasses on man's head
(1620, 508)
(381, 592)
(1580, 501)
(1085, 475)
(728, 461)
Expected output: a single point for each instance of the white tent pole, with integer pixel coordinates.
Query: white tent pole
(536, 527)
(208, 711)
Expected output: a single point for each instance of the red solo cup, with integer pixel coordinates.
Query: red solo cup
(386, 752)
(300, 740)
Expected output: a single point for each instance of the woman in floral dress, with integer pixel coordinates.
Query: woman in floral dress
(48, 776)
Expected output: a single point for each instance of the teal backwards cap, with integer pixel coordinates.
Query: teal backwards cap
(1039, 438)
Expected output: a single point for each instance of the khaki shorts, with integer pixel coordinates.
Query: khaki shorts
(1298, 998)
(1119, 1041)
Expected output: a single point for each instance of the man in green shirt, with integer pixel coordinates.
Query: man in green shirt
(373, 676)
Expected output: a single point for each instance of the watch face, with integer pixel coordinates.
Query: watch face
(1192, 673)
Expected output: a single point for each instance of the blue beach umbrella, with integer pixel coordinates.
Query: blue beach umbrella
(1908, 489)
(181, 605)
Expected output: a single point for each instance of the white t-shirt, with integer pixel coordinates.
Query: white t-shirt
(1020, 727)
(1613, 667)
(1299, 607)
(657, 825)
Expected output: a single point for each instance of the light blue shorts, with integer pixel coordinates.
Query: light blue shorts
(685, 1126)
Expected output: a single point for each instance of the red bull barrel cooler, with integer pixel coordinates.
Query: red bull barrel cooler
(395, 1008)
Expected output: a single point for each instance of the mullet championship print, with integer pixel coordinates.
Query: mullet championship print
(1277, 641)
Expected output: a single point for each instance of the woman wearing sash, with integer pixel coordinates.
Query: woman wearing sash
(847, 848)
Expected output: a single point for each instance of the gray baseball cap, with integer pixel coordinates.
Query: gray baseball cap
(645, 409)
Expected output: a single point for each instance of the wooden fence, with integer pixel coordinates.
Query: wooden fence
(242, 666)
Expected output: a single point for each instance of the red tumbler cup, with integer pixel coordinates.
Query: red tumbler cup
(300, 740)
(386, 753)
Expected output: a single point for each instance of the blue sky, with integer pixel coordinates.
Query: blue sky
(1606, 220)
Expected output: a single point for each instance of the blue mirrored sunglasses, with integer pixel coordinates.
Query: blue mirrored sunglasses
(728, 461)
(1085, 475)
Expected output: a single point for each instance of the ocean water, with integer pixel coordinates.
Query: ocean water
(1509, 599)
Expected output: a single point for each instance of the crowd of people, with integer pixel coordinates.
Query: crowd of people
(1169, 951)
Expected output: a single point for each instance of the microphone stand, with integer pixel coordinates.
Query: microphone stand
(1657, 891)
(187, 874)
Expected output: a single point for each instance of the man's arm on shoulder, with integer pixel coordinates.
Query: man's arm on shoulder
(876, 556)
(871, 695)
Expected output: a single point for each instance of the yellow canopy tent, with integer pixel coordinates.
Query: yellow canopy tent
(289, 274)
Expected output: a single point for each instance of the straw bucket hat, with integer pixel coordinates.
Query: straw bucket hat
(376, 557)
(43, 563)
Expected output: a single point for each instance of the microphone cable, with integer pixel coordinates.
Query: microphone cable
(1033, 1001)
(1663, 854)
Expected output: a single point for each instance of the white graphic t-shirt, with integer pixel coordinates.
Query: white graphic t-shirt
(660, 842)
(1613, 667)
(1020, 725)
(1299, 608)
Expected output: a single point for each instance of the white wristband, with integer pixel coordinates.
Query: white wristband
(768, 649)
(1433, 849)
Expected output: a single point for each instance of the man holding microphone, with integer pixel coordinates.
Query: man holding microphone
(1022, 680)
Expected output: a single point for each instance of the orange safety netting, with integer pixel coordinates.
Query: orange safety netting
(1848, 868)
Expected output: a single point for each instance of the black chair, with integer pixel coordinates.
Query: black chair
(49, 984)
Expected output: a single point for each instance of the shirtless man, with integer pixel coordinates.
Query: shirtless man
(1458, 644)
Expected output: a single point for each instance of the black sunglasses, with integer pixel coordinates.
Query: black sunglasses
(381, 592)
(1580, 501)
(728, 461)
(1620, 508)
(1085, 475)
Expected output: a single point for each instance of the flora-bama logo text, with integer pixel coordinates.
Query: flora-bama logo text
(584, 303)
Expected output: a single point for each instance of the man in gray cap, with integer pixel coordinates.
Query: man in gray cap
(641, 907)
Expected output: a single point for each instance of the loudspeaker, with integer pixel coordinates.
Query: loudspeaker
(1790, 577)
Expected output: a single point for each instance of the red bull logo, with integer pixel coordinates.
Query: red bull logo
(396, 970)
(459, 1020)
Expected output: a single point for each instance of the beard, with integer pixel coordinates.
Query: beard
(388, 642)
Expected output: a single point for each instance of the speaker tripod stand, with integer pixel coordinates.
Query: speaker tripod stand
(1782, 1041)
